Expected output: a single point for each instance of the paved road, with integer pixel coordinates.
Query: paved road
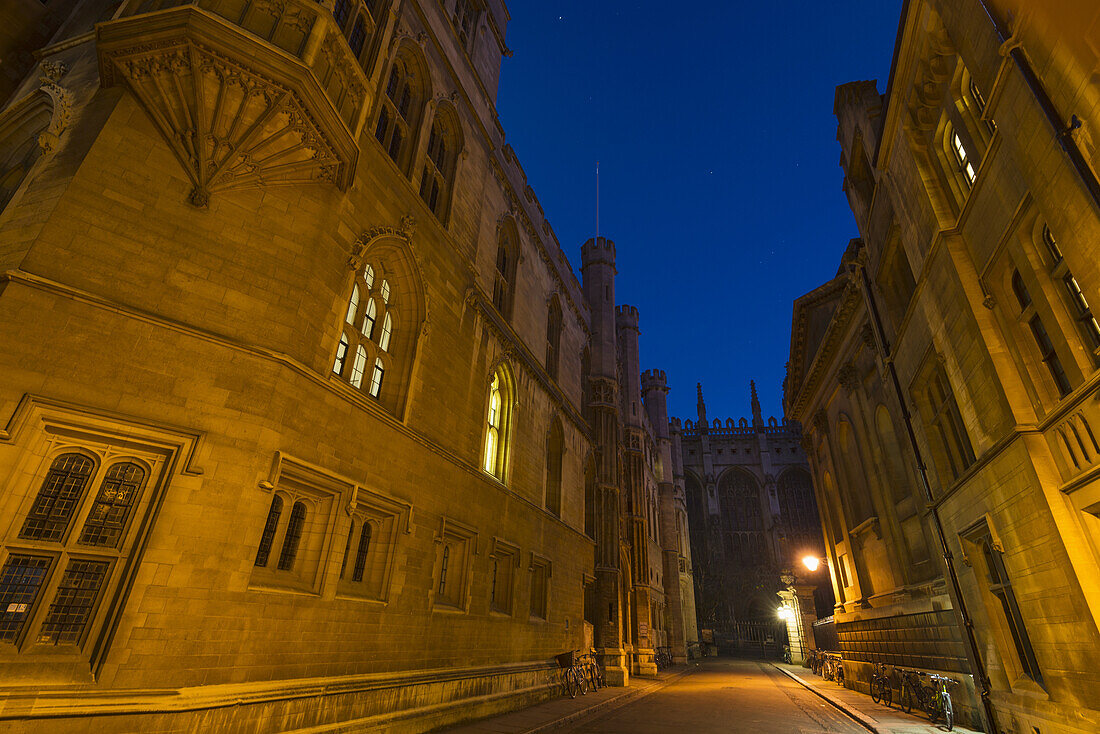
(726, 696)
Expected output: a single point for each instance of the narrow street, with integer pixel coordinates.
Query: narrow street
(727, 695)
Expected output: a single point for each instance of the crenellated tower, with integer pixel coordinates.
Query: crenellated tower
(598, 276)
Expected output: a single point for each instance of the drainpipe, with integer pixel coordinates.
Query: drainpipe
(1063, 130)
(974, 652)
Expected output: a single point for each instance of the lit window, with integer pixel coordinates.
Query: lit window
(370, 314)
(341, 355)
(353, 304)
(492, 437)
(387, 330)
(1082, 310)
(376, 378)
(368, 276)
(1052, 244)
(359, 367)
(385, 291)
(963, 159)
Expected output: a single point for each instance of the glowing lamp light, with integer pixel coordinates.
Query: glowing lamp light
(785, 613)
(811, 562)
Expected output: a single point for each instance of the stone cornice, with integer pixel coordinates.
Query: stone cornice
(850, 300)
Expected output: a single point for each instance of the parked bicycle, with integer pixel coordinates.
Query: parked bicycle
(939, 703)
(663, 657)
(787, 654)
(934, 699)
(813, 661)
(833, 667)
(881, 691)
(592, 671)
(573, 678)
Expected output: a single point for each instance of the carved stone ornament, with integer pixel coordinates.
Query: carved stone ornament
(230, 127)
(807, 444)
(867, 334)
(62, 113)
(603, 391)
(359, 248)
(848, 377)
(989, 302)
(820, 422)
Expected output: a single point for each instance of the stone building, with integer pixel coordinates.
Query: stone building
(947, 376)
(752, 516)
(297, 419)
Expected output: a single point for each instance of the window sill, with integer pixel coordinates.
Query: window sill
(362, 597)
(1024, 686)
(500, 614)
(445, 608)
(273, 586)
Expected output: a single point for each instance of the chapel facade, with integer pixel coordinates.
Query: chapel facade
(752, 515)
(306, 419)
(947, 375)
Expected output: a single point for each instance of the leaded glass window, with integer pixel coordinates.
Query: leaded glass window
(116, 498)
(58, 498)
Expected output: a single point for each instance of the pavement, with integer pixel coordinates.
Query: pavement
(714, 695)
(873, 716)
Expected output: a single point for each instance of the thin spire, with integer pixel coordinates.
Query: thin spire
(700, 405)
(757, 417)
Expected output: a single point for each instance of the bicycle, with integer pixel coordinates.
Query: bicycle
(813, 661)
(910, 690)
(833, 667)
(939, 702)
(592, 671)
(662, 658)
(881, 692)
(787, 654)
(573, 679)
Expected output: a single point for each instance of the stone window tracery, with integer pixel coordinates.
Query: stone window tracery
(505, 272)
(372, 345)
(497, 423)
(1047, 353)
(400, 111)
(440, 162)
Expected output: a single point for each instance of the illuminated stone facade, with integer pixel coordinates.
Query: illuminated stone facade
(297, 420)
(973, 184)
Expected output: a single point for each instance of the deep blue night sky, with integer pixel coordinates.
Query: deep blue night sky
(719, 174)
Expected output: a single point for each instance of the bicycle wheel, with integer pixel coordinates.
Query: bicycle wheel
(592, 675)
(931, 705)
(840, 676)
(570, 682)
(876, 689)
(948, 712)
(905, 700)
(887, 692)
(582, 680)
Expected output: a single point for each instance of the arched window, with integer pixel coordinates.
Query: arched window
(361, 553)
(553, 336)
(1047, 352)
(1075, 297)
(555, 447)
(117, 495)
(962, 158)
(359, 367)
(437, 180)
(370, 315)
(268, 537)
(371, 344)
(742, 517)
(399, 112)
(505, 273)
(387, 330)
(58, 498)
(341, 355)
(293, 536)
(376, 378)
(465, 17)
(798, 514)
(497, 420)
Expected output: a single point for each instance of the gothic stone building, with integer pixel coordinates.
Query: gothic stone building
(947, 376)
(751, 513)
(305, 419)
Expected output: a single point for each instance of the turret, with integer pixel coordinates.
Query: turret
(598, 274)
(626, 323)
(655, 395)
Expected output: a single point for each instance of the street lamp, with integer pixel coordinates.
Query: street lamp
(786, 613)
(812, 563)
